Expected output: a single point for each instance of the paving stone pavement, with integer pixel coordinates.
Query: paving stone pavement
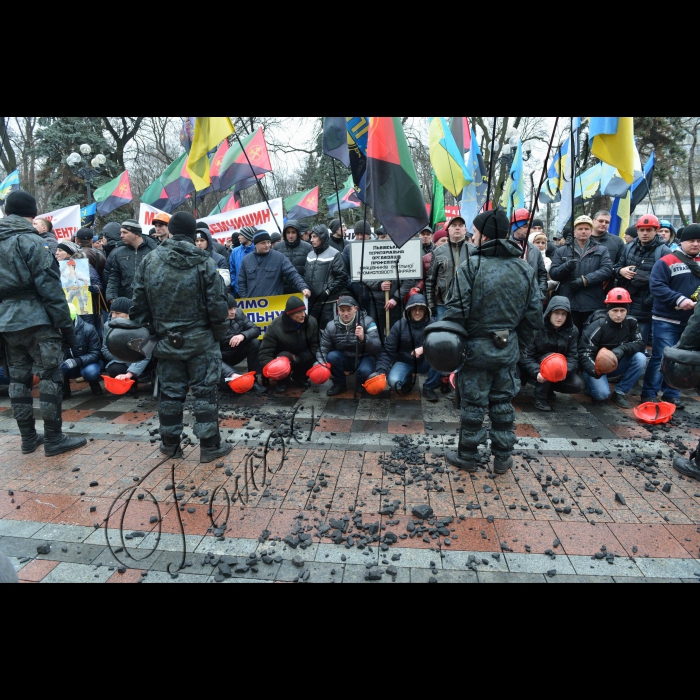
(323, 491)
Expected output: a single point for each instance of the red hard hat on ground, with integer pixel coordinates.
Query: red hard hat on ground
(117, 386)
(242, 384)
(520, 215)
(278, 369)
(375, 385)
(319, 374)
(655, 413)
(647, 221)
(554, 368)
(618, 296)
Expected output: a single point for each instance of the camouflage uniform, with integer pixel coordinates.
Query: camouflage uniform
(494, 290)
(178, 289)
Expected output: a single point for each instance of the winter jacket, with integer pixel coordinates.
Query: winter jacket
(178, 289)
(30, 284)
(325, 272)
(690, 340)
(50, 240)
(235, 262)
(266, 275)
(221, 249)
(643, 257)
(406, 336)
(535, 260)
(595, 266)
(427, 250)
(88, 350)
(337, 336)
(137, 368)
(220, 261)
(549, 340)
(296, 252)
(443, 271)
(614, 245)
(338, 243)
(496, 291)
(124, 262)
(623, 339)
(284, 335)
(240, 325)
(671, 282)
(96, 257)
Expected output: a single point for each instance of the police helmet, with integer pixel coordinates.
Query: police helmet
(445, 346)
(124, 338)
(681, 368)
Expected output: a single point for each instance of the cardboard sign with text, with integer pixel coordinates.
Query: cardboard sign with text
(223, 226)
(263, 311)
(66, 222)
(380, 261)
(146, 215)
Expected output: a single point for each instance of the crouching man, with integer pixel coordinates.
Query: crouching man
(241, 343)
(613, 330)
(559, 336)
(349, 341)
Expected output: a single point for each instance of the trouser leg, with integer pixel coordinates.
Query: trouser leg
(203, 372)
(174, 384)
(474, 390)
(504, 388)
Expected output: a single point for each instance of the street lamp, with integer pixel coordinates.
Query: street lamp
(81, 168)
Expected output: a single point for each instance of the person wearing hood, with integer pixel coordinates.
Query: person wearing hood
(338, 232)
(246, 247)
(496, 298)
(558, 336)
(179, 297)
(634, 268)
(126, 260)
(325, 275)
(294, 249)
(266, 271)
(216, 247)
(531, 254)
(402, 358)
(83, 359)
(669, 234)
(204, 241)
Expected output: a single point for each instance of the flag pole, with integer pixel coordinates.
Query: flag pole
(644, 175)
(337, 196)
(572, 157)
(259, 183)
(491, 159)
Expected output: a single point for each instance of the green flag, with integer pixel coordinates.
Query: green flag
(437, 212)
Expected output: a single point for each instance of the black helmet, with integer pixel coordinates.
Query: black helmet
(445, 346)
(681, 368)
(124, 339)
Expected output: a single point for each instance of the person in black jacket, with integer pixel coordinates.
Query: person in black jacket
(559, 336)
(338, 232)
(583, 267)
(124, 261)
(217, 247)
(326, 276)
(634, 271)
(240, 343)
(613, 329)
(294, 249)
(83, 359)
(613, 244)
(427, 242)
(531, 255)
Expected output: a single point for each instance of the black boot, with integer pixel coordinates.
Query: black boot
(468, 463)
(502, 465)
(539, 399)
(688, 467)
(56, 443)
(212, 449)
(171, 447)
(96, 389)
(30, 438)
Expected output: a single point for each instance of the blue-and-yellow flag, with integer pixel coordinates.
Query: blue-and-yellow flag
(620, 215)
(612, 141)
(209, 132)
(447, 158)
(9, 184)
(514, 193)
(474, 194)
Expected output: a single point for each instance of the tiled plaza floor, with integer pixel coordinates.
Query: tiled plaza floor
(592, 497)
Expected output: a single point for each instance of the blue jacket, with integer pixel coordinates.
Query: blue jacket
(672, 282)
(87, 351)
(266, 275)
(235, 263)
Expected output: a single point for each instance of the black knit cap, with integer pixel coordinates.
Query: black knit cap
(133, 226)
(294, 304)
(492, 224)
(334, 225)
(537, 222)
(232, 303)
(21, 203)
(183, 225)
(632, 232)
(121, 305)
(261, 237)
(691, 233)
(363, 228)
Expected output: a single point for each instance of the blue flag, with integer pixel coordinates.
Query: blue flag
(87, 215)
(358, 134)
(9, 184)
(335, 139)
(514, 192)
(474, 194)
(640, 188)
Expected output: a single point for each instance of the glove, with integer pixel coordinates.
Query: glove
(69, 337)
(619, 353)
(576, 285)
(571, 265)
(69, 364)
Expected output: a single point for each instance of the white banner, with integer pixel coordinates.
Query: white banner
(223, 226)
(381, 258)
(66, 222)
(146, 215)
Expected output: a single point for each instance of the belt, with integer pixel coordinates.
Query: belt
(22, 296)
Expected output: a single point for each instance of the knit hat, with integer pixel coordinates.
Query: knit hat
(632, 232)
(121, 305)
(346, 301)
(68, 247)
(202, 225)
(334, 225)
(294, 304)
(691, 233)
(131, 225)
(85, 234)
(667, 224)
(275, 237)
(492, 224)
(439, 235)
(363, 228)
(261, 237)
(537, 222)
(183, 225)
(248, 232)
(21, 203)
(303, 228)
(232, 303)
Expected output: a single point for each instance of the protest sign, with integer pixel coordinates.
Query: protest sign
(66, 222)
(223, 226)
(75, 280)
(262, 311)
(380, 261)
(146, 215)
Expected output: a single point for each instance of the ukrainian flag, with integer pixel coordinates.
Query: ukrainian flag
(612, 141)
(9, 184)
(447, 158)
(620, 215)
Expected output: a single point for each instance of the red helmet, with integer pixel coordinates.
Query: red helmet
(319, 374)
(278, 369)
(618, 296)
(554, 368)
(375, 385)
(648, 220)
(243, 384)
(117, 386)
(520, 215)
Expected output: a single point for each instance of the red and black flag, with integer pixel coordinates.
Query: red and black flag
(234, 166)
(393, 191)
(113, 195)
(302, 205)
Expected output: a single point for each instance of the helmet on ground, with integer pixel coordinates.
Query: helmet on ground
(554, 368)
(655, 413)
(117, 386)
(319, 374)
(445, 346)
(520, 215)
(618, 296)
(681, 368)
(605, 362)
(124, 339)
(278, 369)
(649, 221)
(242, 384)
(376, 384)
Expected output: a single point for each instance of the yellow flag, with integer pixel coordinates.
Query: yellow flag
(618, 149)
(446, 158)
(209, 132)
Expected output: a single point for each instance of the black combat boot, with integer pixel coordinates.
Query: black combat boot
(688, 467)
(96, 389)
(212, 449)
(468, 463)
(502, 465)
(539, 400)
(56, 443)
(30, 438)
(170, 446)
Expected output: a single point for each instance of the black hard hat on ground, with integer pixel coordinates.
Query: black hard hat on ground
(445, 346)
(681, 368)
(124, 338)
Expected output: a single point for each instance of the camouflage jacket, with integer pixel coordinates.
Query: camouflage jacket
(30, 286)
(495, 290)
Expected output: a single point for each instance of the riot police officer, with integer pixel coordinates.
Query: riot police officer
(179, 295)
(34, 325)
